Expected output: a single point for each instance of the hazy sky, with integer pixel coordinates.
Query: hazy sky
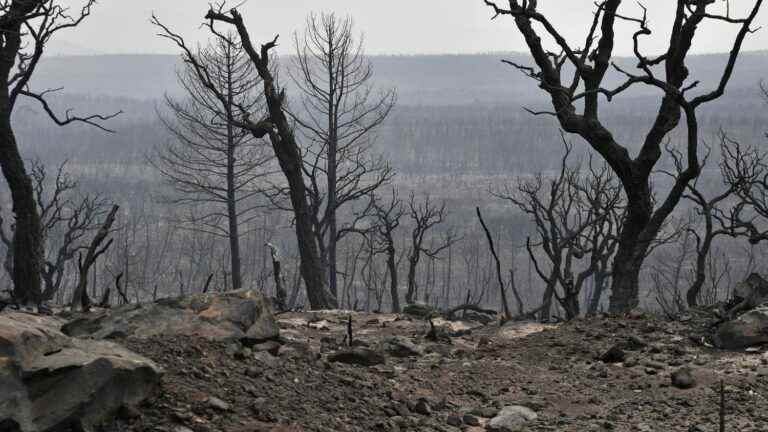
(390, 26)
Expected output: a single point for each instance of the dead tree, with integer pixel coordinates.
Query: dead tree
(212, 165)
(424, 216)
(84, 263)
(387, 217)
(67, 219)
(720, 214)
(667, 72)
(504, 302)
(745, 169)
(339, 115)
(577, 217)
(280, 293)
(25, 28)
(277, 127)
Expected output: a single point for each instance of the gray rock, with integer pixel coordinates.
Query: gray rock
(48, 379)
(401, 347)
(470, 420)
(683, 379)
(512, 419)
(266, 359)
(422, 407)
(614, 355)
(243, 315)
(419, 310)
(454, 420)
(217, 404)
(747, 330)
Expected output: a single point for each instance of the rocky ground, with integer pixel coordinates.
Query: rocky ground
(596, 374)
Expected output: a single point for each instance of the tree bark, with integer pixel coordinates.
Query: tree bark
(392, 268)
(234, 229)
(27, 235)
(410, 296)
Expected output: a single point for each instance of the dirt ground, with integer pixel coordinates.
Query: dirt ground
(455, 383)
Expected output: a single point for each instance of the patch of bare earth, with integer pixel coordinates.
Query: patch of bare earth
(457, 383)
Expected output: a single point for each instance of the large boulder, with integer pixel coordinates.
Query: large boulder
(243, 315)
(747, 330)
(51, 382)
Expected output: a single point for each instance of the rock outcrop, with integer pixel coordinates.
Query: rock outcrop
(52, 382)
(747, 330)
(243, 315)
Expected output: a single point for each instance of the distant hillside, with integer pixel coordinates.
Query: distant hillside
(420, 80)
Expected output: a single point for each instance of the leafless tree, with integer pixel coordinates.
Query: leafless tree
(720, 215)
(25, 29)
(67, 219)
(214, 167)
(577, 215)
(667, 72)
(95, 249)
(276, 125)
(425, 216)
(339, 115)
(387, 215)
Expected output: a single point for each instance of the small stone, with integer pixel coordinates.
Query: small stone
(631, 362)
(470, 420)
(244, 354)
(635, 343)
(254, 372)
(683, 379)
(217, 404)
(232, 349)
(422, 407)
(613, 355)
(454, 420)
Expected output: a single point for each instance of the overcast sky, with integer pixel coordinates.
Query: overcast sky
(390, 27)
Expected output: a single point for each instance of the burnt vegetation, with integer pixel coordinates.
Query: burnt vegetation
(577, 198)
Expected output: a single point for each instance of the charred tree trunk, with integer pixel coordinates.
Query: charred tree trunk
(392, 268)
(288, 154)
(27, 235)
(234, 229)
(546, 300)
(412, 294)
(599, 287)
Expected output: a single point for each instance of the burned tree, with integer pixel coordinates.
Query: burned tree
(25, 29)
(339, 115)
(278, 128)
(425, 216)
(577, 215)
(667, 73)
(213, 166)
(67, 218)
(95, 249)
(387, 217)
(721, 214)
